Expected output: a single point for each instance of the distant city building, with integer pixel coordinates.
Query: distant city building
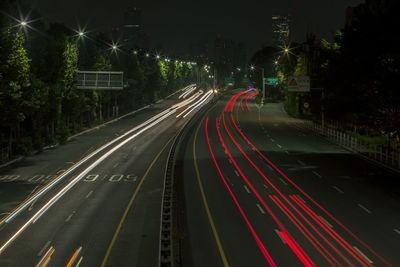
(229, 53)
(281, 27)
(132, 30)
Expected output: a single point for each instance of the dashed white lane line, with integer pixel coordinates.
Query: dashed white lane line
(278, 145)
(396, 230)
(322, 218)
(70, 216)
(362, 254)
(301, 163)
(299, 197)
(365, 209)
(260, 208)
(281, 238)
(116, 165)
(317, 174)
(44, 248)
(287, 152)
(269, 167)
(60, 171)
(236, 172)
(338, 189)
(88, 195)
(230, 161)
(266, 187)
(272, 140)
(247, 190)
(70, 162)
(283, 181)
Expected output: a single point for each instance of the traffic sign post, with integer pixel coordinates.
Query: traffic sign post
(299, 84)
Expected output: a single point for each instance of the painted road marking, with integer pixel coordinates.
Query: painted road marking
(269, 167)
(70, 216)
(70, 162)
(272, 140)
(322, 218)
(236, 172)
(278, 145)
(317, 174)
(365, 209)
(283, 181)
(287, 152)
(299, 197)
(88, 195)
(362, 254)
(230, 161)
(245, 187)
(338, 189)
(266, 187)
(301, 163)
(281, 238)
(44, 248)
(116, 165)
(60, 171)
(397, 231)
(260, 208)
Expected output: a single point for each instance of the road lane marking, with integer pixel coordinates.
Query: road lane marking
(114, 238)
(283, 181)
(60, 171)
(338, 189)
(365, 209)
(247, 190)
(70, 162)
(280, 237)
(115, 165)
(230, 161)
(236, 172)
(322, 218)
(260, 208)
(397, 231)
(301, 163)
(362, 254)
(70, 216)
(203, 196)
(278, 145)
(287, 152)
(317, 174)
(272, 140)
(299, 197)
(269, 167)
(44, 248)
(266, 187)
(88, 195)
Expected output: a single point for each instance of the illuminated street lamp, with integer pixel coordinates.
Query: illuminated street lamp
(81, 34)
(23, 23)
(147, 55)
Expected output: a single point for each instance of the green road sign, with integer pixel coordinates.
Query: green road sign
(272, 81)
(229, 81)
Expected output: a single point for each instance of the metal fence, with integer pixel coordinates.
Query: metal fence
(381, 153)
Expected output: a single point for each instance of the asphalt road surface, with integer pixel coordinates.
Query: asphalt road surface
(262, 191)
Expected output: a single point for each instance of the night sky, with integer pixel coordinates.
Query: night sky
(175, 24)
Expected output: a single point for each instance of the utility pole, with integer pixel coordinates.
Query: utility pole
(263, 84)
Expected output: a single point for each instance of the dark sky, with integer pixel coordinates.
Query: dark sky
(177, 23)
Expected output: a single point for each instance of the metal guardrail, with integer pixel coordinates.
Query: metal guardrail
(379, 153)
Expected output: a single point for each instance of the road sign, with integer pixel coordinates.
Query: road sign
(272, 81)
(229, 81)
(299, 84)
(100, 80)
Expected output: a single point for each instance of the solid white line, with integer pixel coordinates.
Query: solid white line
(236, 172)
(44, 248)
(322, 218)
(245, 187)
(362, 254)
(283, 181)
(397, 231)
(365, 209)
(338, 189)
(277, 232)
(301, 163)
(261, 209)
(88, 195)
(279, 145)
(317, 174)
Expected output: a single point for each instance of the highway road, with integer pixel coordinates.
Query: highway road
(95, 201)
(260, 190)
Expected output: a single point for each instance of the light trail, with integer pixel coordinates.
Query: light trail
(196, 104)
(187, 90)
(187, 108)
(310, 198)
(258, 241)
(148, 124)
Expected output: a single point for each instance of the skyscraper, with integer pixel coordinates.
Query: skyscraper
(281, 30)
(132, 26)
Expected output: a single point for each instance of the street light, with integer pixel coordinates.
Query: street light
(81, 34)
(147, 55)
(23, 23)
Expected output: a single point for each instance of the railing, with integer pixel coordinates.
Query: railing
(381, 153)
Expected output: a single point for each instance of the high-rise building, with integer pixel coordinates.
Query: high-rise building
(132, 28)
(281, 26)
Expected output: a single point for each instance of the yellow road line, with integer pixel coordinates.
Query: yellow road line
(203, 196)
(130, 204)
